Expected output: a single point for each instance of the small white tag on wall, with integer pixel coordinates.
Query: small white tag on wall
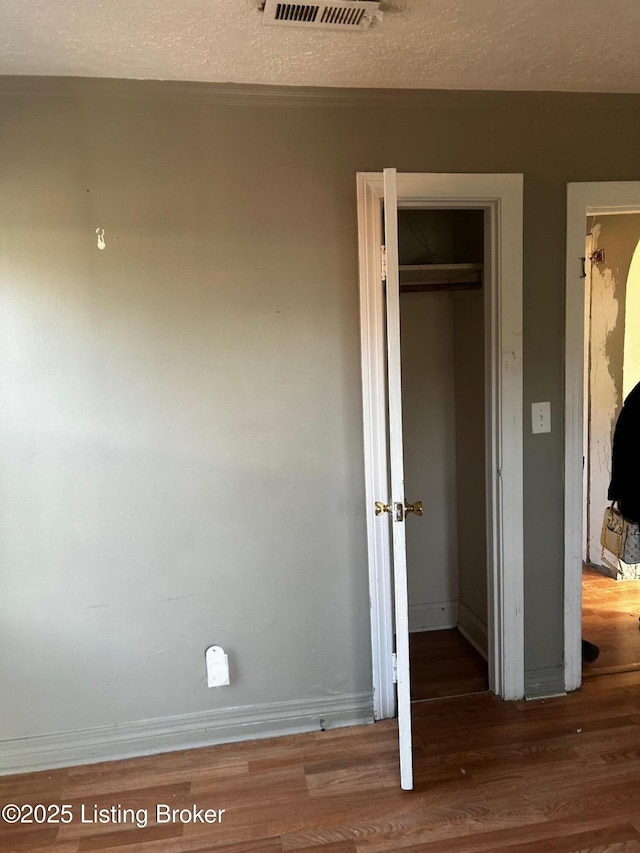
(217, 667)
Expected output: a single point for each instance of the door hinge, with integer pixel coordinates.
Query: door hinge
(383, 263)
(394, 667)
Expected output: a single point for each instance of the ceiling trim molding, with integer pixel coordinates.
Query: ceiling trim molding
(234, 94)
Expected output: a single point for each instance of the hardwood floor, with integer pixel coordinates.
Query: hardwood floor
(610, 611)
(555, 776)
(558, 775)
(443, 663)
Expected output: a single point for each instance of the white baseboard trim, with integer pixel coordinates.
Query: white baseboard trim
(433, 616)
(147, 737)
(474, 630)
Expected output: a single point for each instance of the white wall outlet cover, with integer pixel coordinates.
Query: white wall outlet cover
(541, 417)
(217, 667)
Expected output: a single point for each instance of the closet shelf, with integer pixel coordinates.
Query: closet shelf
(425, 277)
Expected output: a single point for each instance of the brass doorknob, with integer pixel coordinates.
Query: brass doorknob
(382, 507)
(415, 508)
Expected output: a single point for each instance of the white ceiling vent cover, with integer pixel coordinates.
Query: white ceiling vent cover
(322, 14)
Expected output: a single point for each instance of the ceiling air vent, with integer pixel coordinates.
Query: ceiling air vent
(322, 14)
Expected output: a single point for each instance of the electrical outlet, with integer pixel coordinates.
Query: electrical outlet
(217, 667)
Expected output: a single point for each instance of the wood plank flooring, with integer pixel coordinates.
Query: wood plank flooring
(555, 776)
(550, 776)
(444, 663)
(610, 611)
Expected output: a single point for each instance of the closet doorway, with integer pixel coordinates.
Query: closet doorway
(441, 267)
(499, 200)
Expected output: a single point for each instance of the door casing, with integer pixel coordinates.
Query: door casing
(500, 196)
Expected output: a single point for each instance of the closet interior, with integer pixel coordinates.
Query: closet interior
(442, 311)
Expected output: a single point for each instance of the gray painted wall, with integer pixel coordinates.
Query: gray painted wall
(470, 454)
(429, 435)
(442, 343)
(180, 447)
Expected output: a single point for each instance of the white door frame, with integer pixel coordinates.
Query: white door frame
(500, 196)
(583, 200)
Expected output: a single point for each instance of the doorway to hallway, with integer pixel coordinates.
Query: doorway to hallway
(593, 386)
(611, 370)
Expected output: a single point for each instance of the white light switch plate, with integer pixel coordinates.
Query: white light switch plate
(540, 417)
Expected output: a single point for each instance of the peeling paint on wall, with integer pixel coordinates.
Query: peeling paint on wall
(604, 398)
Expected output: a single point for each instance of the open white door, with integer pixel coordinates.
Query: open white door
(396, 506)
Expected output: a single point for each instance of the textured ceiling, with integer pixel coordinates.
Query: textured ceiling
(573, 45)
